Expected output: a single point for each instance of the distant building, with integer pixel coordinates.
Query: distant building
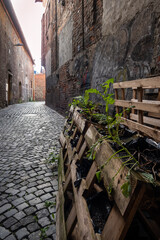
(16, 63)
(39, 87)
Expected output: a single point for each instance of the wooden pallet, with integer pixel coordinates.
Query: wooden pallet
(146, 113)
(78, 224)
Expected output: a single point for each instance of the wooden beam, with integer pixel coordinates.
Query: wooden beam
(146, 120)
(151, 132)
(144, 83)
(143, 106)
(71, 221)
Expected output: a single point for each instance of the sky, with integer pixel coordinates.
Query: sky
(29, 15)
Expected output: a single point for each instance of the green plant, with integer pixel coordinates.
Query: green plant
(50, 204)
(43, 234)
(52, 157)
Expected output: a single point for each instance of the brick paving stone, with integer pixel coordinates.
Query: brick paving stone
(3, 232)
(22, 206)
(35, 236)
(11, 237)
(2, 217)
(10, 213)
(35, 201)
(22, 233)
(30, 196)
(5, 207)
(32, 227)
(31, 190)
(20, 215)
(26, 142)
(42, 213)
(49, 189)
(44, 221)
(18, 201)
(39, 193)
(46, 197)
(9, 222)
(29, 219)
(40, 206)
(30, 210)
(51, 230)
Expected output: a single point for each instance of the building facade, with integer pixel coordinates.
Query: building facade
(86, 42)
(39, 87)
(16, 63)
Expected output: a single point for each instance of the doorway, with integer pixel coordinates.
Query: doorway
(9, 88)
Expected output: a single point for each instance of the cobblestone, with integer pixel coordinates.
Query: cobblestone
(28, 133)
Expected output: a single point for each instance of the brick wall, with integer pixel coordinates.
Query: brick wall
(39, 87)
(109, 39)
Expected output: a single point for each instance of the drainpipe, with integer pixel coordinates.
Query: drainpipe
(83, 23)
(56, 30)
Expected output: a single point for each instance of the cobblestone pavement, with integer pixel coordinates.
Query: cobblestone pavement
(28, 134)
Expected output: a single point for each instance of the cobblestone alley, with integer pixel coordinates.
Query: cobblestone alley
(28, 134)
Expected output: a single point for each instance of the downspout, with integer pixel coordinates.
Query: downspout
(56, 31)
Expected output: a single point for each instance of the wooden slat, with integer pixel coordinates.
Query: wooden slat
(85, 227)
(148, 107)
(79, 121)
(104, 152)
(144, 83)
(134, 97)
(123, 98)
(62, 140)
(79, 144)
(60, 221)
(155, 115)
(139, 97)
(67, 181)
(92, 135)
(82, 150)
(116, 97)
(71, 221)
(146, 120)
(151, 132)
(91, 175)
(117, 226)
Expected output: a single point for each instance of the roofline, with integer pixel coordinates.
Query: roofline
(7, 5)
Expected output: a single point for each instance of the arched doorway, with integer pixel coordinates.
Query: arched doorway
(10, 75)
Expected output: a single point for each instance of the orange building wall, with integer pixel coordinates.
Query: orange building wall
(39, 88)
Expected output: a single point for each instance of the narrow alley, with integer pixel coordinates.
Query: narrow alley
(29, 132)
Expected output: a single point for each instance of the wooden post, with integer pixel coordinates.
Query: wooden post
(139, 97)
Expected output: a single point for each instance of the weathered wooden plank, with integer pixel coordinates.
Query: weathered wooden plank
(85, 227)
(148, 107)
(151, 132)
(91, 175)
(62, 140)
(146, 120)
(60, 220)
(79, 121)
(112, 168)
(92, 135)
(144, 83)
(67, 182)
(79, 144)
(71, 221)
(120, 223)
(139, 97)
(82, 150)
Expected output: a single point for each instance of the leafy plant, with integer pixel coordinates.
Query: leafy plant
(43, 234)
(50, 204)
(53, 157)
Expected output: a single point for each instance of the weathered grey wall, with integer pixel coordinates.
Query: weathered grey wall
(65, 43)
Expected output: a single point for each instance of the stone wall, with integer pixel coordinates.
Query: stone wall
(16, 67)
(109, 39)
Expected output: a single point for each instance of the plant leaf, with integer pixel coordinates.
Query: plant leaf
(126, 189)
(98, 175)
